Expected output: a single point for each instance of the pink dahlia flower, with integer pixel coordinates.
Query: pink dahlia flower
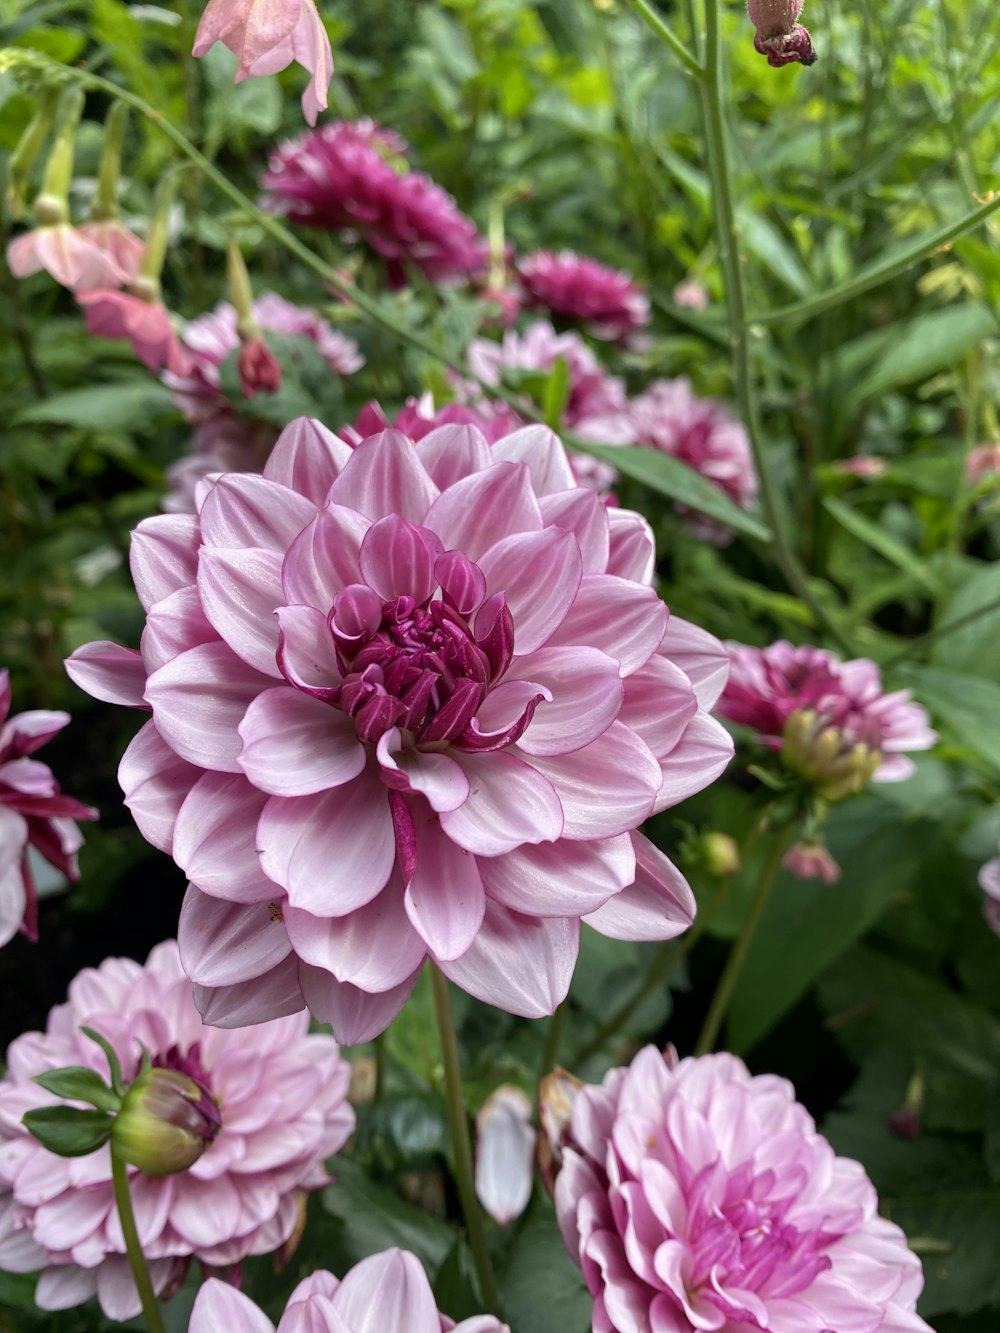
(983, 461)
(989, 882)
(419, 417)
(269, 35)
(670, 417)
(146, 324)
(67, 254)
(281, 1095)
(768, 685)
(607, 302)
(386, 1293)
(413, 699)
(695, 1197)
(33, 813)
(337, 178)
(778, 36)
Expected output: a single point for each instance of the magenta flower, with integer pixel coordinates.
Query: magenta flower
(386, 1293)
(419, 417)
(414, 699)
(670, 417)
(778, 36)
(280, 1093)
(269, 35)
(33, 813)
(69, 255)
(811, 860)
(989, 882)
(337, 178)
(767, 686)
(607, 302)
(146, 324)
(695, 1197)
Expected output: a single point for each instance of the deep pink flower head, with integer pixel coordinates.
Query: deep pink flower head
(414, 699)
(269, 35)
(982, 462)
(67, 254)
(33, 813)
(811, 860)
(989, 882)
(695, 1197)
(670, 416)
(146, 324)
(778, 36)
(281, 1094)
(607, 302)
(419, 417)
(768, 685)
(867, 466)
(386, 1293)
(338, 178)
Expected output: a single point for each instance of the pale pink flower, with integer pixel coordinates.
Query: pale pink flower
(989, 882)
(696, 1197)
(67, 254)
(269, 35)
(33, 813)
(281, 1094)
(505, 1153)
(385, 1293)
(778, 36)
(670, 416)
(420, 695)
(768, 685)
(337, 178)
(691, 295)
(868, 466)
(146, 324)
(607, 302)
(116, 240)
(811, 860)
(982, 462)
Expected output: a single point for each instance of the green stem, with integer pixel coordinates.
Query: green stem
(737, 956)
(941, 631)
(550, 1051)
(668, 37)
(461, 1145)
(133, 1247)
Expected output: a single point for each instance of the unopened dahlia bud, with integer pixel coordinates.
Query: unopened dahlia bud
(166, 1122)
(779, 36)
(505, 1153)
(835, 762)
(259, 369)
(811, 860)
(721, 854)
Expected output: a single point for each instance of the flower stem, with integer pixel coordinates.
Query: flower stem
(461, 1145)
(133, 1247)
(550, 1051)
(737, 956)
(667, 35)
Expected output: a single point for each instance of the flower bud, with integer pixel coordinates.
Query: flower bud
(721, 854)
(811, 860)
(834, 762)
(778, 36)
(556, 1095)
(167, 1121)
(258, 368)
(505, 1154)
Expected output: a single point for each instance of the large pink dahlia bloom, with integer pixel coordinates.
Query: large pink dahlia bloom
(607, 302)
(33, 813)
(281, 1095)
(696, 1197)
(767, 685)
(386, 1293)
(408, 700)
(338, 178)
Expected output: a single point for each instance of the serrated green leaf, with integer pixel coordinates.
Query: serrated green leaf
(76, 1083)
(67, 1131)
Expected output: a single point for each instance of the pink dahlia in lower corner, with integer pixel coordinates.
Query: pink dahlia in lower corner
(280, 1094)
(606, 301)
(407, 700)
(697, 1197)
(34, 813)
(385, 1293)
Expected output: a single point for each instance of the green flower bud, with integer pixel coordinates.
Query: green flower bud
(835, 763)
(167, 1121)
(721, 854)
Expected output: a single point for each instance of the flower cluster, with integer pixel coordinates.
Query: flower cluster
(605, 301)
(411, 700)
(694, 1196)
(280, 1098)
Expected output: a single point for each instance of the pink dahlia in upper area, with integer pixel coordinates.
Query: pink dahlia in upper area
(338, 178)
(386, 1293)
(280, 1095)
(408, 700)
(269, 35)
(784, 691)
(607, 302)
(33, 813)
(419, 416)
(696, 1197)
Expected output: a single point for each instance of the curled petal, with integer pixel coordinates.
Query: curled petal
(658, 905)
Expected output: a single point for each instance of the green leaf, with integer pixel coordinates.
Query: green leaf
(79, 1084)
(542, 1289)
(376, 1218)
(102, 407)
(955, 1234)
(881, 541)
(926, 344)
(671, 477)
(968, 705)
(973, 647)
(456, 1289)
(67, 1131)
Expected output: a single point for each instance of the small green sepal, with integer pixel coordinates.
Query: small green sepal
(67, 1131)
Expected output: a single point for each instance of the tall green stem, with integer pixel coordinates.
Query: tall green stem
(667, 35)
(461, 1145)
(737, 957)
(133, 1247)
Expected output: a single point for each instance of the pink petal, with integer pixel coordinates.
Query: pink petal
(309, 46)
(505, 714)
(659, 703)
(13, 896)
(164, 556)
(294, 745)
(539, 575)
(587, 695)
(702, 754)
(385, 476)
(215, 839)
(155, 781)
(632, 552)
(387, 1293)
(452, 452)
(244, 509)
(657, 906)
(307, 458)
(505, 1154)
(354, 1015)
(622, 618)
(219, 1306)
(276, 994)
(331, 852)
(482, 509)
(224, 943)
(560, 878)
(509, 804)
(173, 625)
(608, 787)
(307, 654)
(519, 963)
(239, 590)
(702, 658)
(109, 672)
(205, 1212)
(444, 899)
(65, 1286)
(433, 775)
(581, 512)
(542, 451)
(324, 558)
(397, 559)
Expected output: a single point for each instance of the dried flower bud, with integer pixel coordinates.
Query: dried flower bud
(834, 761)
(779, 36)
(556, 1095)
(167, 1121)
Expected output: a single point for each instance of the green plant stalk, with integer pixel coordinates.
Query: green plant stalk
(550, 1051)
(668, 37)
(737, 957)
(133, 1247)
(461, 1145)
(105, 204)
